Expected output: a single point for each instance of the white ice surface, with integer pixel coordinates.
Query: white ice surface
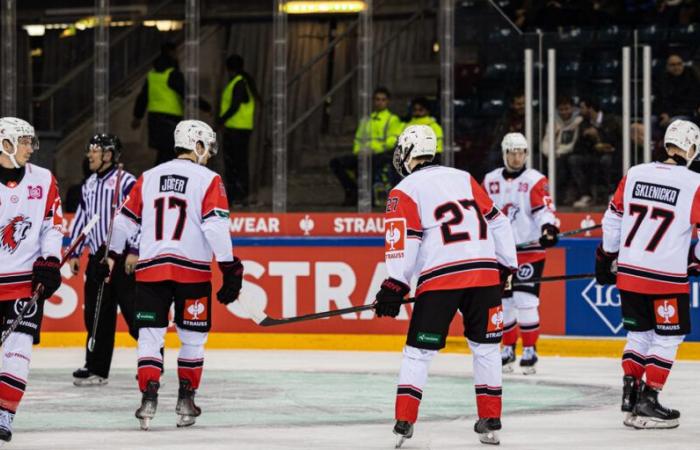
(596, 425)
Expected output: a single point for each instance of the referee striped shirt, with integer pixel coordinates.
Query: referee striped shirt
(97, 196)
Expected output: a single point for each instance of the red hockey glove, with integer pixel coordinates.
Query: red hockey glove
(233, 280)
(47, 272)
(604, 262)
(389, 298)
(549, 236)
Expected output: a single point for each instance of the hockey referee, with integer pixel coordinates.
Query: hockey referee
(97, 196)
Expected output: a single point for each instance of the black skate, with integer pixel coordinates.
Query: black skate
(6, 419)
(508, 358)
(149, 404)
(82, 378)
(186, 410)
(649, 413)
(630, 393)
(403, 430)
(528, 361)
(487, 430)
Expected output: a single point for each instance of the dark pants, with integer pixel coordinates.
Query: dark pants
(161, 128)
(345, 169)
(120, 291)
(235, 148)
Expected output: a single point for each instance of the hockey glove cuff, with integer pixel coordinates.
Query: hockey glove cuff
(47, 272)
(693, 262)
(605, 272)
(549, 236)
(389, 298)
(233, 280)
(506, 274)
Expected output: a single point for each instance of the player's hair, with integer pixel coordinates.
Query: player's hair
(382, 90)
(181, 151)
(591, 102)
(565, 100)
(422, 101)
(234, 62)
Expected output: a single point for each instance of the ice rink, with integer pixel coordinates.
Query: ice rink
(340, 400)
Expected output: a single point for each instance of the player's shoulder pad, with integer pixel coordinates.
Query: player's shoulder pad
(494, 173)
(534, 175)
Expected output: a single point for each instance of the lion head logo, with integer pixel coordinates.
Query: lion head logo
(511, 211)
(14, 232)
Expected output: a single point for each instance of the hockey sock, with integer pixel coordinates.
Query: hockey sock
(660, 359)
(529, 319)
(412, 379)
(510, 322)
(150, 360)
(15, 370)
(190, 361)
(634, 354)
(487, 379)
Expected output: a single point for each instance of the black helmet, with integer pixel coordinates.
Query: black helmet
(108, 142)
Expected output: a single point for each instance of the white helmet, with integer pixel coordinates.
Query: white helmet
(510, 142)
(189, 132)
(414, 142)
(12, 129)
(683, 134)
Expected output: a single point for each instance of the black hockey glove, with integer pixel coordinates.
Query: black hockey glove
(47, 272)
(389, 298)
(98, 273)
(605, 273)
(233, 280)
(549, 236)
(693, 263)
(506, 274)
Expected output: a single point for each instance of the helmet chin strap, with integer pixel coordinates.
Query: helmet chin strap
(200, 158)
(11, 156)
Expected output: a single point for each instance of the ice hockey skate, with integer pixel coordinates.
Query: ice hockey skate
(529, 360)
(6, 418)
(487, 430)
(187, 411)
(403, 430)
(650, 414)
(508, 358)
(630, 392)
(149, 403)
(83, 378)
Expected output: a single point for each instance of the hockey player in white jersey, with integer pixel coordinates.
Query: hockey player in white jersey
(522, 194)
(647, 231)
(443, 228)
(31, 236)
(181, 208)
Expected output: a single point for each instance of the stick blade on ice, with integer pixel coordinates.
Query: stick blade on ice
(251, 307)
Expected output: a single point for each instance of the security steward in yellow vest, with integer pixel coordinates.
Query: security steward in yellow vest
(384, 129)
(162, 96)
(236, 119)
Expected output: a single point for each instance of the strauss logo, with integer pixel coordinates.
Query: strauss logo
(393, 235)
(14, 232)
(195, 309)
(306, 224)
(497, 319)
(666, 311)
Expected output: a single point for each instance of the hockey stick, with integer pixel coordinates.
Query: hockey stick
(578, 276)
(560, 235)
(262, 319)
(101, 289)
(40, 289)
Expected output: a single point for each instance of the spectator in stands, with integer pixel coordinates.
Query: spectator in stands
(566, 132)
(677, 94)
(420, 115)
(512, 121)
(597, 151)
(382, 130)
(162, 96)
(236, 117)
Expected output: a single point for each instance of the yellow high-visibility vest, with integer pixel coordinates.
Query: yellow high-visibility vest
(242, 119)
(161, 98)
(384, 129)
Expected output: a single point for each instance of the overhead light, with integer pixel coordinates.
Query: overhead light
(323, 7)
(35, 30)
(164, 25)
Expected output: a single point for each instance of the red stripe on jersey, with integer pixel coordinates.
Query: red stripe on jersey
(531, 256)
(456, 263)
(461, 280)
(173, 272)
(695, 209)
(401, 206)
(481, 198)
(53, 204)
(214, 197)
(134, 201)
(617, 204)
(13, 291)
(173, 255)
(642, 285)
(539, 195)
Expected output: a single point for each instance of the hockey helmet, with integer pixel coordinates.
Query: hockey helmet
(12, 129)
(107, 142)
(684, 135)
(415, 141)
(189, 132)
(511, 142)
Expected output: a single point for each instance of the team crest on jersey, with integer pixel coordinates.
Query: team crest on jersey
(14, 232)
(35, 192)
(196, 309)
(395, 237)
(511, 210)
(494, 187)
